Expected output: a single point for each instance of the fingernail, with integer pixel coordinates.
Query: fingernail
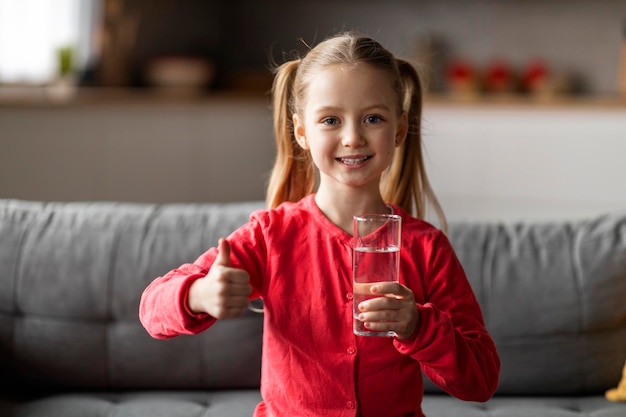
(374, 289)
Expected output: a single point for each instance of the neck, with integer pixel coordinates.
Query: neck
(341, 207)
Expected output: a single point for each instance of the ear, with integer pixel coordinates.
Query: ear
(299, 132)
(403, 129)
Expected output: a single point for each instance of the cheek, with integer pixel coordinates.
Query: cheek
(319, 155)
(391, 147)
(320, 148)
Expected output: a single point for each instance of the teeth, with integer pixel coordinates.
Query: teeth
(353, 161)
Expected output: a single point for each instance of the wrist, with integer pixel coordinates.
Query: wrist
(192, 303)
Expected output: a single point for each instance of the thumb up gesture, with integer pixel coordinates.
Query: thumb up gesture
(223, 292)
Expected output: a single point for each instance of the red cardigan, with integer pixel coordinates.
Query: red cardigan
(313, 365)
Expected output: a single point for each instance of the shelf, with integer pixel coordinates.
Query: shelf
(88, 97)
(524, 101)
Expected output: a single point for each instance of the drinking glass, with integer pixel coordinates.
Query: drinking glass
(375, 258)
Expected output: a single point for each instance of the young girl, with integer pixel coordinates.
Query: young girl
(347, 124)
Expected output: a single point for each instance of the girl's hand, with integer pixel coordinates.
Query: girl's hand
(395, 311)
(223, 292)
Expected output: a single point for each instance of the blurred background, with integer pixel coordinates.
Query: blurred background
(163, 101)
(127, 43)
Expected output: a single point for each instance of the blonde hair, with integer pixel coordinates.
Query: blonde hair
(294, 175)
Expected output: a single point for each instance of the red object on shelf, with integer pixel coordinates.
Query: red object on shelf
(460, 70)
(499, 76)
(461, 78)
(535, 75)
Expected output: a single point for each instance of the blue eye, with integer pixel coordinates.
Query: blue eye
(373, 119)
(330, 121)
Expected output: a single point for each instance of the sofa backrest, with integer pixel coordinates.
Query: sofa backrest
(71, 276)
(553, 296)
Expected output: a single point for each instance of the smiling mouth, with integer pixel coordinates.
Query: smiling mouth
(353, 161)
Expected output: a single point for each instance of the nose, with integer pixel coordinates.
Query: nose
(352, 136)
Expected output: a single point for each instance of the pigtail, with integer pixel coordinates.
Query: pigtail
(406, 182)
(293, 175)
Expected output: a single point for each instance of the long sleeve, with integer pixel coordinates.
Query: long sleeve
(451, 343)
(162, 309)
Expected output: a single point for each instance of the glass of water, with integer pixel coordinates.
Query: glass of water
(375, 258)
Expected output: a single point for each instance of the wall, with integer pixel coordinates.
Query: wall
(218, 151)
(485, 161)
(545, 162)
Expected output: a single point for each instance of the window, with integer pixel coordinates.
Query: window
(32, 32)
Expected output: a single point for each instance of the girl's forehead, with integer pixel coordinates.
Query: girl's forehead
(343, 81)
(349, 70)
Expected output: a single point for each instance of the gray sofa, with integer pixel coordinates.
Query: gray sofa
(71, 275)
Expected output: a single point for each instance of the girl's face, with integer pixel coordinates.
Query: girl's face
(351, 126)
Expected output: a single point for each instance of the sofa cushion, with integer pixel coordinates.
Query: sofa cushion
(226, 403)
(72, 277)
(553, 296)
(523, 406)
